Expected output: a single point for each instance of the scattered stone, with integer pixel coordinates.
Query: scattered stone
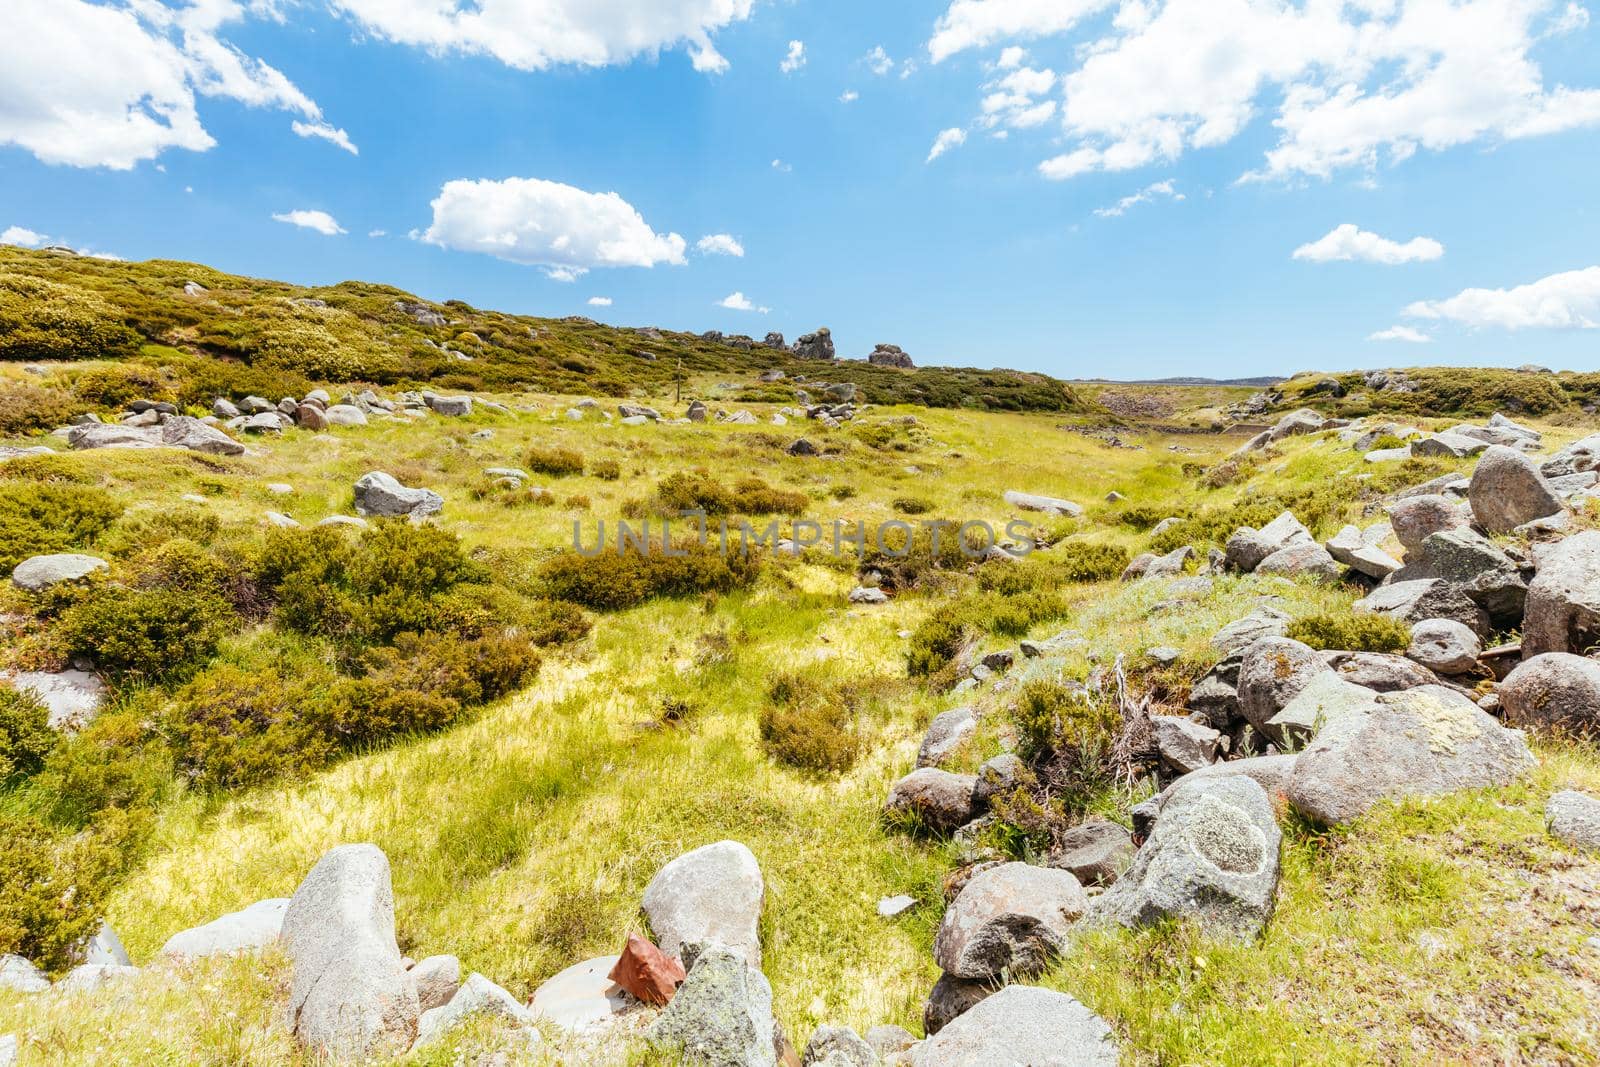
(818, 345)
(1274, 671)
(105, 949)
(1416, 518)
(1562, 610)
(645, 972)
(1507, 490)
(1554, 689)
(1420, 742)
(1301, 560)
(1095, 852)
(378, 493)
(349, 997)
(1574, 819)
(999, 776)
(176, 431)
(721, 1015)
(39, 573)
(1048, 504)
(951, 997)
(941, 801)
(88, 977)
(1350, 547)
(436, 980)
(1452, 445)
(1242, 633)
(8, 1050)
(267, 422)
(587, 995)
(1476, 566)
(889, 907)
(1185, 745)
(253, 928)
(477, 996)
(1012, 919)
(1327, 696)
(344, 520)
(344, 415)
(712, 895)
(21, 976)
(838, 1046)
(1381, 672)
(863, 595)
(948, 731)
(1425, 598)
(1022, 1025)
(889, 1041)
(1212, 857)
(1247, 548)
(1445, 646)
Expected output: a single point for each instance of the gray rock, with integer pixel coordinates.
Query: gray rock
(1302, 560)
(1169, 565)
(899, 904)
(1507, 490)
(838, 1046)
(177, 431)
(349, 997)
(1095, 852)
(253, 928)
(1553, 689)
(1380, 672)
(1388, 455)
(436, 980)
(1477, 567)
(21, 976)
(8, 1050)
(452, 406)
(1453, 445)
(1415, 518)
(939, 800)
(818, 345)
(1303, 421)
(1011, 919)
(1048, 504)
(267, 422)
(89, 977)
(105, 949)
(345, 415)
(1420, 742)
(1274, 671)
(945, 734)
(1022, 1025)
(1425, 598)
(382, 494)
(713, 896)
(583, 997)
(41, 572)
(1248, 548)
(1269, 772)
(1445, 646)
(1351, 548)
(1574, 819)
(951, 997)
(721, 1015)
(477, 996)
(1325, 698)
(1562, 609)
(224, 409)
(7, 452)
(887, 1041)
(1240, 634)
(1185, 745)
(863, 595)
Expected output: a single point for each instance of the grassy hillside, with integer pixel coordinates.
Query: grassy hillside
(274, 339)
(523, 827)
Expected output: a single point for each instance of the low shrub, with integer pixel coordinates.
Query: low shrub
(1069, 737)
(613, 580)
(43, 320)
(913, 505)
(1352, 632)
(53, 888)
(25, 734)
(607, 470)
(233, 727)
(698, 491)
(145, 634)
(555, 462)
(1140, 518)
(43, 518)
(812, 724)
(118, 763)
(26, 409)
(114, 386)
(951, 628)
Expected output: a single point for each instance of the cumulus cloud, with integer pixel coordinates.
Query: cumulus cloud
(878, 61)
(947, 139)
(849, 96)
(536, 34)
(95, 85)
(1009, 100)
(326, 132)
(1149, 194)
(320, 221)
(781, 167)
(538, 223)
(1401, 333)
(719, 244)
(1346, 84)
(1011, 58)
(599, 301)
(1349, 242)
(740, 302)
(25, 238)
(795, 59)
(1566, 301)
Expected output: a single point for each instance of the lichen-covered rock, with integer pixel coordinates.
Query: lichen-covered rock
(1562, 609)
(1421, 742)
(382, 494)
(1476, 566)
(1185, 745)
(1555, 689)
(1574, 818)
(1010, 919)
(1048, 504)
(951, 997)
(477, 996)
(1022, 1025)
(1095, 852)
(722, 1015)
(1211, 857)
(1415, 518)
(1326, 697)
(1425, 598)
(1302, 561)
(837, 1046)
(1274, 670)
(19, 975)
(247, 930)
(710, 896)
(436, 980)
(939, 800)
(1445, 646)
(39, 573)
(1507, 490)
(946, 734)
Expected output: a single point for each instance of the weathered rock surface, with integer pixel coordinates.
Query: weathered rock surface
(175, 431)
(38, 573)
(1185, 745)
(1274, 671)
(1562, 608)
(1425, 598)
(1554, 689)
(1049, 504)
(1420, 742)
(382, 494)
(722, 1015)
(585, 996)
(1507, 490)
(1211, 857)
(710, 896)
(940, 800)
(1012, 919)
(436, 980)
(1574, 819)
(477, 996)
(1351, 547)
(837, 1046)
(1022, 1025)
(1326, 697)
(1476, 566)
(1302, 560)
(1444, 645)
(950, 997)
(72, 698)
(21, 976)
(945, 734)
(1414, 518)
(1094, 852)
(344, 415)
(1247, 548)
(349, 998)
(253, 928)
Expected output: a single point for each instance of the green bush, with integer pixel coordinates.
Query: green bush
(115, 385)
(145, 634)
(1066, 563)
(53, 888)
(556, 462)
(698, 491)
(116, 763)
(613, 580)
(812, 724)
(1353, 632)
(607, 470)
(1141, 518)
(38, 519)
(233, 727)
(25, 734)
(43, 320)
(26, 409)
(913, 505)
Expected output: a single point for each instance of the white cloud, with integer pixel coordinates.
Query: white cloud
(946, 140)
(1567, 301)
(1012, 58)
(94, 85)
(536, 34)
(795, 59)
(780, 166)
(1010, 99)
(740, 302)
(16, 235)
(599, 301)
(320, 221)
(327, 132)
(849, 96)
(1401, 333)
(377, 233)
(719, 244)
(977, 23)
(1574, 19)
(565, 230)
(878, 61)
(1348, 242)
(1149, 194)
(1347, 83)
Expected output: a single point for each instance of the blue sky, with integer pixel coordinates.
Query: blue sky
(1122, 189)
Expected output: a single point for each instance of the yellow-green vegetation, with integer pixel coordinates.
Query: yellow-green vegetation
(530, 732)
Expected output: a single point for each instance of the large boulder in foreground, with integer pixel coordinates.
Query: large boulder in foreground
(382, 494)
(1022, 1025)
(938, 800)
(1556, 689)
(1416, 518)
(1211, 857)
(1420, 742)
(721, 1015)
(1507, 490)
(1562, 610)
(710, 896)
(1274, 671)
(175, 431)
(1010, 919)
(253, 928)
(349, 998)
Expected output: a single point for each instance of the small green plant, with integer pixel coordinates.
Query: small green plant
(1351, 632)
(607, 470)
(145, 634)
(555, 462)
(812, 723)
(913, 505)
(25, 734)
(53, 886)
(613, 580)
(38, 519)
